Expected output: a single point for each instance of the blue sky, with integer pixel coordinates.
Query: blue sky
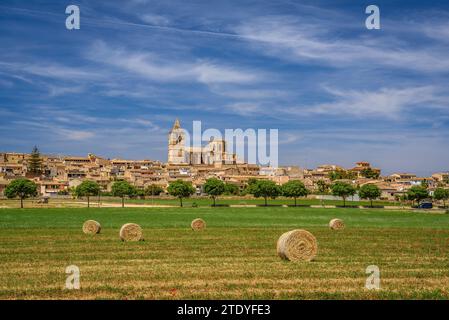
(337, 92)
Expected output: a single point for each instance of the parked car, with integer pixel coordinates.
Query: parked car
(425, 205)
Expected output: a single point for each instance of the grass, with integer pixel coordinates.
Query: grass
(207, 202)
(199, 201)
(234, 257)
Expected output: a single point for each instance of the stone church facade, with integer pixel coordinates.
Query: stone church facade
(214, 153)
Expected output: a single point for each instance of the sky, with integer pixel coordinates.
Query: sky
(337, 92)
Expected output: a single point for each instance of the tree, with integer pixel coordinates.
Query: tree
(266, 189)
(22, 189)
(343, 189)
(323, 187)
(214, 188)
(180, 189)
(249, 185)
(441, 194)
(35, 162)
(294, 189)
(231, 189)
(122, 189)
(87, 188)
(369, 191)
(137, 193)
(425, 184)
(417, 193)
(153, 190)
(370, 173)
(341, 174)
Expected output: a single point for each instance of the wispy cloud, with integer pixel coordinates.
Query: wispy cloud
(386, 102)
(55, 91)
(293, 39)
(154, 19)
(152, 66)
(47, 70)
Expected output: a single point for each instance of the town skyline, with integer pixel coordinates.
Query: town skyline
(235, 159)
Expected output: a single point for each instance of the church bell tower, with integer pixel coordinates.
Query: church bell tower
(176, 144)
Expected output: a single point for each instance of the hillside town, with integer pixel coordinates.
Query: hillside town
(58, 174)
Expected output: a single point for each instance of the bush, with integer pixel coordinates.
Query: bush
(231, 189)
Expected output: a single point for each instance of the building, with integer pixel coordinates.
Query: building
(214, 153)
(441, 177)
(363, 166)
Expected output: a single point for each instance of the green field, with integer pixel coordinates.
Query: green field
(235, 257)
(198, 201)
(205, 201)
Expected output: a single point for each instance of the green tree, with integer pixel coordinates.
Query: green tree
(369, 191)
(87, 188)
(343, 190)
(153, 190)
(231, 189)
(180, 189)
(341, 174)
(266, 189)
(123, 189)
(441, 194)
(22, 189)
(35, 162)
(323, 187)
(294, 189)
(417, 193)
(370, 173)
(137, 193)
(214, 188)
(249, 185)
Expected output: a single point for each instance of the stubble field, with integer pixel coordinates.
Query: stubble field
(234, 258)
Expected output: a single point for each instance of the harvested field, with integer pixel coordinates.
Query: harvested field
(235, 257)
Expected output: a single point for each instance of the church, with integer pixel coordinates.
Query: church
(214, 153)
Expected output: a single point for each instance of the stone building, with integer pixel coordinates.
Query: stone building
(213, 153)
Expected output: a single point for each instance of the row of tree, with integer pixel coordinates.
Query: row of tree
(267, 189)
(121, 189)
(295, 189)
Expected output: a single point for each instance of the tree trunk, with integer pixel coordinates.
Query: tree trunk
(266, 204)
(123, 202)
(295, 201)
(88, 201)
(213, 198)
(344, 201)
(21, 202)
(180, 200)
(371, 202)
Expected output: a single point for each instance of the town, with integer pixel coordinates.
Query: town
(57, 175)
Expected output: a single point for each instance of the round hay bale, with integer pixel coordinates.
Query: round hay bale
(297, 245)
(91, 227)
(336, 224)
(131, 232)
(198, 224)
